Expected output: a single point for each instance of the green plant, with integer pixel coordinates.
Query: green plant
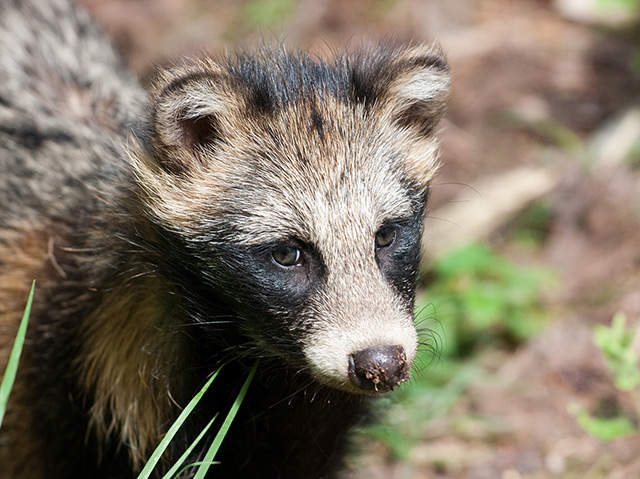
(217, 441)
(617, 345)
(484, 299)
(166, 440)
(12, 366)
(604, 428)
(202, 466)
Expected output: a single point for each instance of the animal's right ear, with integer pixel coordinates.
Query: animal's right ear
(192, 108)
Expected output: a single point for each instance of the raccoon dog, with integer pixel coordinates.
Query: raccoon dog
(265, 205)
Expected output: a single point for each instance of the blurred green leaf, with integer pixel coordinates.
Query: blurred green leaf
(483, 298)
(616, 343)
(604, 428)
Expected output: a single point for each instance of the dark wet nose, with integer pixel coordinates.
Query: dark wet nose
(378, 369)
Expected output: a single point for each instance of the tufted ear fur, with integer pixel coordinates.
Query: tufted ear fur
(192, 107)
(411, 84)
(418, 93)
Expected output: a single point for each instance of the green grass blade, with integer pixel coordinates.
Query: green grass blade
(172, 472)
(195, 464)
(12, 365)
(217, 441)
(157, 453)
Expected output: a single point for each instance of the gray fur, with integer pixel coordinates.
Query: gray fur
(66, 100)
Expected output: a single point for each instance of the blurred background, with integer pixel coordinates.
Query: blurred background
(530, 299)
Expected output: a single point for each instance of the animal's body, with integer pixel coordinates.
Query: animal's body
(252, 206)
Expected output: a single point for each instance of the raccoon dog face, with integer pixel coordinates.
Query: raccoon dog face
(298, 188)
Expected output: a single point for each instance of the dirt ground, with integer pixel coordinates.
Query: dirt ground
(533, 86)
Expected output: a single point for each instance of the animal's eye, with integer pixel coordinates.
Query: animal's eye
(287, 255)
(385, 237)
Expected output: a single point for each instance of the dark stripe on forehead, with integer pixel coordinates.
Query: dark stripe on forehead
(317, 123)
(279, 78)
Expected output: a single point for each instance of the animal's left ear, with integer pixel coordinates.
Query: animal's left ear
(418, 88)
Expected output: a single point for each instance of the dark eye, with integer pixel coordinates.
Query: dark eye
(385, 237)
(287, 255)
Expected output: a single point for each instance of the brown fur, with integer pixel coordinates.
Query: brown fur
(26, 254)
(126, 362)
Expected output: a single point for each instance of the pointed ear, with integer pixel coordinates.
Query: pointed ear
(418, 93)
(193, 106)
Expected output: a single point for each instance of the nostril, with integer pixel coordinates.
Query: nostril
(378, 369)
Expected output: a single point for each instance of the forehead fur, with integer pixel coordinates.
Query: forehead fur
(302, 178)
(283, 135)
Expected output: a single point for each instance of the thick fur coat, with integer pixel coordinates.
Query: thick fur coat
(255, 206)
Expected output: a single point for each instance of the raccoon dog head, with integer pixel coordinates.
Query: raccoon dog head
(297, 189)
